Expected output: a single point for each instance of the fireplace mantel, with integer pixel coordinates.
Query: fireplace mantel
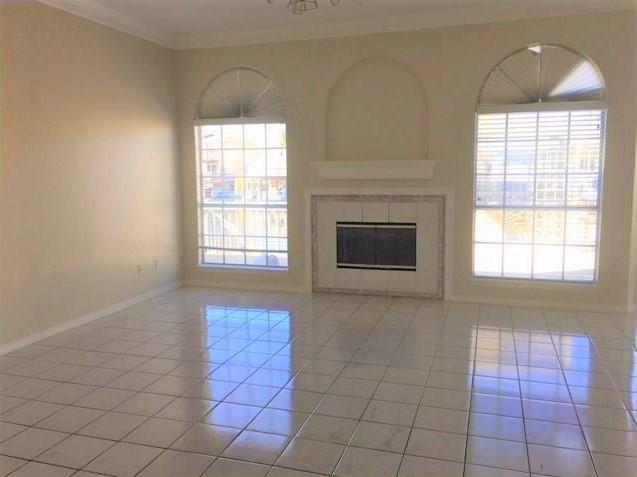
(348, 170)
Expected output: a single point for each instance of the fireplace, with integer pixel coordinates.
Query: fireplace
(381, 244)
(376, 246)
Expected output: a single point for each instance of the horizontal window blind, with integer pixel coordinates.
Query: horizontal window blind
(242, 177)
(538, 182)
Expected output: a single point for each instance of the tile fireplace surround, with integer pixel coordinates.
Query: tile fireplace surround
(427, 211)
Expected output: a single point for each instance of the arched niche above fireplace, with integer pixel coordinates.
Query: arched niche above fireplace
(377, 111)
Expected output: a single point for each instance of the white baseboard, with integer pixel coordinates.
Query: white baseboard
(555, 305)
(251, 287)
(82, 320)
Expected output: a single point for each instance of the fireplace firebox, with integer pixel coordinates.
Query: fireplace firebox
(376, 246)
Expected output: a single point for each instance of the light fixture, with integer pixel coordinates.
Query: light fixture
(301, 6)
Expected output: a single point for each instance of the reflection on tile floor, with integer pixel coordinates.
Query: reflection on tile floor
(227, 383)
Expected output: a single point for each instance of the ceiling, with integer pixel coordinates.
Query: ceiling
(204, 23)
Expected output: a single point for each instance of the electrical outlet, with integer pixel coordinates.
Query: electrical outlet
(139, 269)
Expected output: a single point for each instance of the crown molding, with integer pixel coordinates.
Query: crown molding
(113, 19)
(440, 18)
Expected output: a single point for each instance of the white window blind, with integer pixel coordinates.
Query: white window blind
(537, 189)
(243, 195)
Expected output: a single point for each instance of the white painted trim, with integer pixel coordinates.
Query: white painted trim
(447, 192)
(113, 19)
(82, 320)
(265, 287)
(345, 170)
(533, 107)
(245, 120)
(544, 304)
(439, 18)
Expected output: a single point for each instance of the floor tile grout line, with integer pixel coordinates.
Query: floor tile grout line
(411, 429)
(517, 367)
(378, 383)
(473, 378)
(577, 416)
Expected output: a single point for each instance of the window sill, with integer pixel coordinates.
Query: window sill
(242, 269)
(537, 284)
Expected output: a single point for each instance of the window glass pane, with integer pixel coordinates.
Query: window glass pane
(243, 166)
(489, 225)
(256, 259)
(521, 158)
(256, 191)
(277, 163)
(551, 157)
(488, 259)
(232, 136)
(492, 127)
(254, 136)
(581, 227)
(275, 135)
(212, 221)
(584, 156)
(522, 127)
(256, 243)
(255, 163)
(553, 125)
(579, 263)
(255, 222)
(549, 227)
(212, 257)
(550, 191)
(233, 222)
(277, 191)
(518, 226)
(277, 222)
(213, 241)
(210, 163)
(278, 259)
(489, 190)
(519, 190)
(537, 212)
(233, 163)
(547, 262)
(210, 137)
(518, 261)
(582, 190)
(230, 190)
(491, 158)
(234, 257)
(209, 188)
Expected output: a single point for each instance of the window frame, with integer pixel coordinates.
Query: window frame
(570, 107)
(243, 121)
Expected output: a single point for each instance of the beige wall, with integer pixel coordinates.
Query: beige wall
(451, 63)
(89, 171)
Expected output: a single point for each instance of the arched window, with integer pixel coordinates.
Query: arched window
(242, 172)
(541, 126)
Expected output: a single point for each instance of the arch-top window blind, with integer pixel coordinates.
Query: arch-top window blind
(541, 126)
(242, 173)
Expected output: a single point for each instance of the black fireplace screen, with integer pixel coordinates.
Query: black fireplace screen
(376, 246)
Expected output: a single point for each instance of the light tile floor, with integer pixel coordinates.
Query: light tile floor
(244, 384)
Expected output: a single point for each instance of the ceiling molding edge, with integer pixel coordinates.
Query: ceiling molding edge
(112, 19)
(420, 21)
(426, 20)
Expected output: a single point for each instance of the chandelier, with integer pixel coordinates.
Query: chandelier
(301, 6)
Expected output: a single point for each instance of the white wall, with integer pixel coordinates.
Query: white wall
(451, 63)
(89, 169)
